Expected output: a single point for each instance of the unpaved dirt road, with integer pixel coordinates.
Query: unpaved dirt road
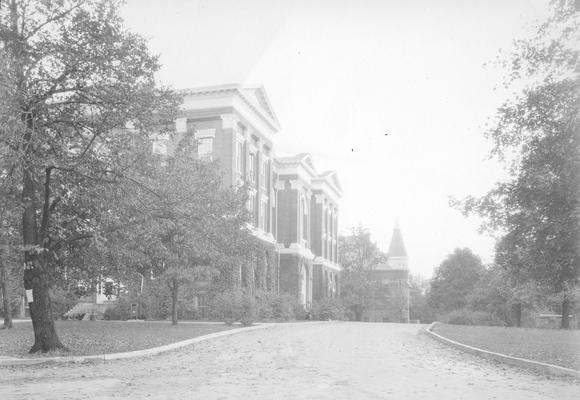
(296, 361)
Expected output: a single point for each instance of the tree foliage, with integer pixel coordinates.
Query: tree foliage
(191, 229)
(454, 280)
(74, 79)
(360, 288)
(537, 135)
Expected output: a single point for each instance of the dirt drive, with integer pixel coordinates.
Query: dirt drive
(295, 361)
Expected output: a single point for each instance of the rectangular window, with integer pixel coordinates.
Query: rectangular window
(252, 205)
(305, 226)
(266, 216)
(264, 173)
(160, 147)
(252, 167)
(239, 157)
(204, 146)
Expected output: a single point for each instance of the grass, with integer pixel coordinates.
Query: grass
(101, 337)
(557, 347)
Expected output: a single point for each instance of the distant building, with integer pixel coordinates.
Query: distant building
(394, 275)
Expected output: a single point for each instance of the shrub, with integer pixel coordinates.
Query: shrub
(248, 309)
(283, 308)
(270, 306)
(77, 316)
(328, 309)
(62, 302)
(300, 311)
(265, 304)
(111, 314)
(121, 310)
(465, 316)
(227, 306)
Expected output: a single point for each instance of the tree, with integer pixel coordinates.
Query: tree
(360, 288)
(8, 242)
(418, 306)
(537, 135)
(454, 280)
(75, 80)
(195, 229)
(514, 274)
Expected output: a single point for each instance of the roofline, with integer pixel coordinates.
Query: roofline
(236, 89)
(324, 177)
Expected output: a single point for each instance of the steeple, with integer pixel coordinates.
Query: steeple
(397, 246)
(397, 256)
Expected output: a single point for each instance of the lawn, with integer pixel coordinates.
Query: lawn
(558, 347)
(101, 337)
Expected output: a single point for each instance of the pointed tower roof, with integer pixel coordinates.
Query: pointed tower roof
(397, 246)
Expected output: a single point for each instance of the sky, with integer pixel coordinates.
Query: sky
(393, 95)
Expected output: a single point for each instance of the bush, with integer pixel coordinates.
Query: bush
(299, 310)
(248, 310)
(283, 308)
(121, 310)
(111, 314)
(265, 304)
(328, 309)
(227, 306)
(270, 306)
(237, 305)
(464, 316)
(62, 302)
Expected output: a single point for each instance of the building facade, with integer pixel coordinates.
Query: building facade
(394, 276)
(294, 209)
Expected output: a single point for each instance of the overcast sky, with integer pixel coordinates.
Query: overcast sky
(394, 95)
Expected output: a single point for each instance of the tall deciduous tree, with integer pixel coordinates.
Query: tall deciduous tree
(195, 229)
(359, 255)
(454, 280)
(76, 78)
(537, 134)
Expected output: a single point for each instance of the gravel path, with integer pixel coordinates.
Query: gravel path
(298, 361)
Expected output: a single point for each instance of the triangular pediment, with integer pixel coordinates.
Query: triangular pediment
(258, 97)
(332, 178)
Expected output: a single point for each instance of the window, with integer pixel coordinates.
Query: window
(264, 216)
(239, 157)
(252, 204)
(252, 167)
(331, 224)
(204, 146)
(304, 219)
(160, 147)
(264, 173)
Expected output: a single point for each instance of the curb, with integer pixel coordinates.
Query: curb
(13, 361)
(129, 354)
(515, 361)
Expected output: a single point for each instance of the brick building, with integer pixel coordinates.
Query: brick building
(394, 275)
(294, 208)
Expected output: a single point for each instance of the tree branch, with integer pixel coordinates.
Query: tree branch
(63, 14)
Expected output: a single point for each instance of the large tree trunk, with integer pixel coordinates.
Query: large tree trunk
(45, 337)
(35, 275)
(174, 293)
(5, 293)
(565, 314)
(518, 314)
(36, 281)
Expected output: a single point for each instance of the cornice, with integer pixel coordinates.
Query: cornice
(234, 89)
